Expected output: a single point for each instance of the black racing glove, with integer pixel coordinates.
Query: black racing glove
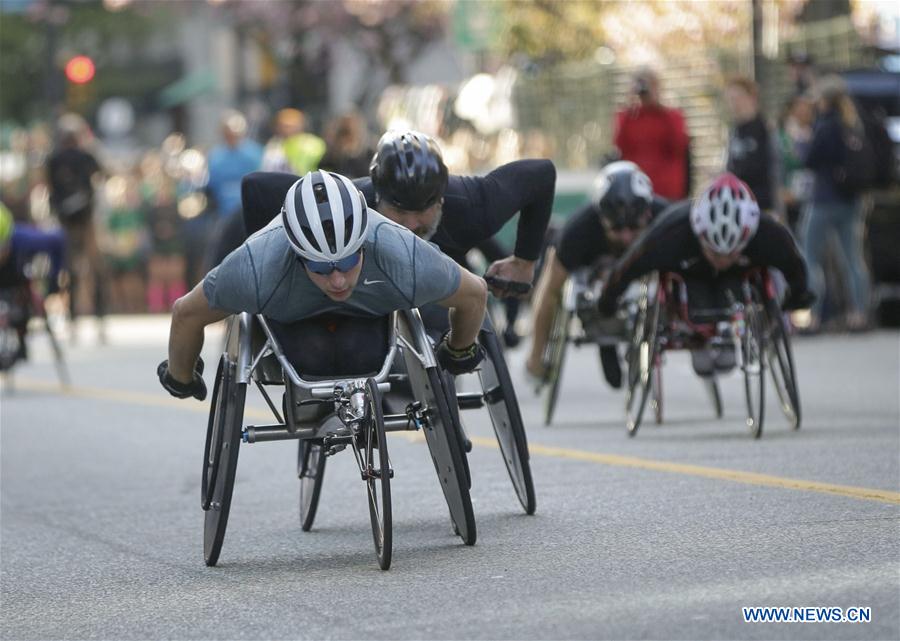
(458, 361)
(510, 288)
(196, 388)
(800, 300)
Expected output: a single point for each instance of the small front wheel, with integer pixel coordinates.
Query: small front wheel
(377, 472)
(311, 472)
(642, 356)
(753, 362)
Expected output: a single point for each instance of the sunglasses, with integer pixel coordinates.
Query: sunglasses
(618, 226)
(622, 225)
(325, 267)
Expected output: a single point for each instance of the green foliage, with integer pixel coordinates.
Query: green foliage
(554, 30)
(29, 72)
(22, 51)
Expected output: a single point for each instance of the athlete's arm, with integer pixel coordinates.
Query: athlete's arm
(525, 186)
(467, 306)
(190, 315)
(774, 246)
(262, 195)
(546, 299)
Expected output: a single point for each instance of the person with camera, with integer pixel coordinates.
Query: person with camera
(654, 137)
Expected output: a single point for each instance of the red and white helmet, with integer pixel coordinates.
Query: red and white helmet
(725, 217)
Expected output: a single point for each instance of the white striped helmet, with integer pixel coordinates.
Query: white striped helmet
(325, 216)
(726, 215)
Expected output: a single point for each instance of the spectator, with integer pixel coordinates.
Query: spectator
(802, 72)
(125, 244)
(349, 152)
(794, 137)
(752, 151)
(167, 267)
(292, 150)
(228, 164)
(71, 171)
(833, 210)
(654, 137)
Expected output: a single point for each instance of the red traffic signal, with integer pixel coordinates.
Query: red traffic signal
(80, 70)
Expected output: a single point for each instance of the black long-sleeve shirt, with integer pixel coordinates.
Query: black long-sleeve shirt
(475, 207)
(669, 245)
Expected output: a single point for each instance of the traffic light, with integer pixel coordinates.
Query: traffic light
(80, 70)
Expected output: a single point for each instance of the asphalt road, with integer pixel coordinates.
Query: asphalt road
(663, 536)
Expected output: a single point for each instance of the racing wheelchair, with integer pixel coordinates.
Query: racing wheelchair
(578, 322)
(18, 305)
(752, 323)
(328, 414)
(497, 394)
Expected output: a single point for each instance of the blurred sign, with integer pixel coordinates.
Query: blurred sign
(115, 117)
(80, 70)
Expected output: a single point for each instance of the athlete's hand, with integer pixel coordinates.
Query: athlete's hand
(458, 361)
(801, 300)
(196, 388)
(511, 269)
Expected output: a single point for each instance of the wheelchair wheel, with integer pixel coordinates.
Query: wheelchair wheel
(223, 438)
(440, 432)
(311, 472)
(753, 362)
(554, 358)
(781, 364)
(374, 452)
(465, 445)
(642, 357)
(500, 399)
(656, 396)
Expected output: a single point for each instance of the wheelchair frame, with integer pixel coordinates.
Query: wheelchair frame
(757, 328)
(356, 406)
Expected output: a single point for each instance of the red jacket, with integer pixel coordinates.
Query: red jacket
(655, 139)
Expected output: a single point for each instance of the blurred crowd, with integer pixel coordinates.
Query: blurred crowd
(141, 229)
(812, 168)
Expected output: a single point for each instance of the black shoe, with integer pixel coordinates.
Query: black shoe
(510, 338)
(702, 362)
(612, 370)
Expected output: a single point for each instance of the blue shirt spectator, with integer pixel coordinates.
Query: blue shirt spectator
(230, 162)
(227, 166)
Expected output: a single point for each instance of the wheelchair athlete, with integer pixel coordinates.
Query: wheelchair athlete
(326, 253)
(710, 243)
(18, 245)
(410, 184)
(621, 206)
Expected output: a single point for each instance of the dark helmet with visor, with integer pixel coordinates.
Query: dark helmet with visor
(622, 196)
(408, 170)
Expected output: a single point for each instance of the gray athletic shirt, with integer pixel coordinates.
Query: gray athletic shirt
(265, 276)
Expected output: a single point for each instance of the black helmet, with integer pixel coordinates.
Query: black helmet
(408, 170)
(622, 195)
